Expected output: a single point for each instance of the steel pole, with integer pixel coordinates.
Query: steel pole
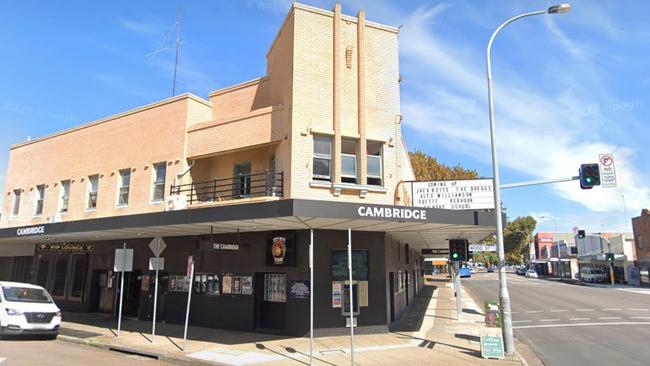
(189, 298)
(311, 296)
(119, 316)
(155, 291)
(504, 296)
(351, 299)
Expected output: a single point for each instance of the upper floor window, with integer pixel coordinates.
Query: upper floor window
(93, 187)
(322, 160)
(374, 153)
(158, 189)
(16, 210)
(64, 197)
(348, 161)
(40, 198)
(123, 191)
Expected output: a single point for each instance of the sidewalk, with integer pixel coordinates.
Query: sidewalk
(427, 334)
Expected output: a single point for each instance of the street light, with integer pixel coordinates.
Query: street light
(557, 239)
(504, 296)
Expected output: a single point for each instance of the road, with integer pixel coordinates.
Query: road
(17, 352)
(574, 325)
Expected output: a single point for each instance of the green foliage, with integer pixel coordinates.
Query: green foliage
(516, 235)
(488, 258)
(426, 167)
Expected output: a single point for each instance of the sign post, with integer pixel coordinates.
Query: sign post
(311, 296)
(123, 263)
(351, 301)
(156, 249)
(190, 275)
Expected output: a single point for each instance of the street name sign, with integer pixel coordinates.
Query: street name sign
(469, 194)
(482, 248)
(607, 170)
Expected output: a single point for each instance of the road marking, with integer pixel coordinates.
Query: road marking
(579, 325)
(3, 359)
(549, 320)
(640, 317)
(585, 310)
(514, 312)
(611, 309)
(522, 321)
(576, 319)
(610, 318)
(558, 311)
(638, 309)
(533, 311)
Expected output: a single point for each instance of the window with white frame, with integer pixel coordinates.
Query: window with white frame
(64, 197)
(16, 210)
(93, 187)
(349, 161)
(158, 188)
(374, 156)
(40, 198)
(123, 187)
(322, 159)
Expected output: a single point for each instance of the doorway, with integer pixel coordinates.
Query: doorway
(242, 180)
(391, 277)
(272, 310)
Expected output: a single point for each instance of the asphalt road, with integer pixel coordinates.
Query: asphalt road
(574, 325)
(17, 352)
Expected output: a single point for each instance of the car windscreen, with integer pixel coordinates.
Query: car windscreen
(26, 294)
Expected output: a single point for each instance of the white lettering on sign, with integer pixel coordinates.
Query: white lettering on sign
(222, 246)
(470, 194)
(34, 230)
(392, 213)
(607, 170)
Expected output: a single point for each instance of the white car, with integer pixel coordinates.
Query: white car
(27, 309)
(531, 273)
(592, 274)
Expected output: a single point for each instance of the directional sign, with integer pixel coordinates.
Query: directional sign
(607, 170)
(482, 248)
(154, 245)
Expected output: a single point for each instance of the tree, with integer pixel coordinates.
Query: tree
(426, 167)
(488, 258)
(516, 235)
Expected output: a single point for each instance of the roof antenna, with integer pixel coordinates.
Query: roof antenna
(169, 42)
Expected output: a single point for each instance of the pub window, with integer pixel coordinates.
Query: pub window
(16, 210)
(158, 189)
(407, 254)
(60, 272)
(375, 173)
(40, 197)
(64, 197)
(348, 161)
(322, 162)
(206, 283)
(275, 287)
(78, 275)
(124, 184)
(43, 271)
(93, 187)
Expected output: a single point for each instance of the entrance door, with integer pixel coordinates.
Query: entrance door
(163, 285)
(132, 283)
(273, 301)
(391, 277)
(242, 180)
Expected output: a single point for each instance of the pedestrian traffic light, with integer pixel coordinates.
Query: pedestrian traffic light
(610, 258)
(589, 176)
(458, 250)
(581, 234)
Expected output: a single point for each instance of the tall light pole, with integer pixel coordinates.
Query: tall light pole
(557, 239)
(504, 296)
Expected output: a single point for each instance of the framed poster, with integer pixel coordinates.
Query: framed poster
(236, 285)
(299, 289)
(280, 249)
(337, 293)
(226, 284)
(247, 285)
(339, 265)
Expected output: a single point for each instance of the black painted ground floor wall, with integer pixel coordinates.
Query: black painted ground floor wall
(243, 289)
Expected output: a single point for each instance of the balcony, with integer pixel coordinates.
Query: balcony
(243, 186)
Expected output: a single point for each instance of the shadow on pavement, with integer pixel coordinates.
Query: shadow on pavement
(412, 319)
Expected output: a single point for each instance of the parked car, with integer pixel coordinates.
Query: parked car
(588, 274)
(521, 271)
(27, 309)
(531, 273)
(464, 272)
(490, 269)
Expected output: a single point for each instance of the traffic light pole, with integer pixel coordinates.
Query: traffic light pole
(538, 182)
(457, 285)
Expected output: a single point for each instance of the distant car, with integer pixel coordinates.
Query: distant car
(27, 309)
(464, 272)
(490, 269)
(592, 275)
(521, 271)
(531, 273)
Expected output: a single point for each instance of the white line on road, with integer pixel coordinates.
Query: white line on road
(579, 325)
(638, 309)
(549, 320)
(522, 321)
(533, 311)
(514, 312)
(3, 359)
(559, 311)
(611, 309)
(640, 317)
(585, 310)
(576, 319)
(610, 318)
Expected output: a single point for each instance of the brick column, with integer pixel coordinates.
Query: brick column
(337, 93)
(361, 89)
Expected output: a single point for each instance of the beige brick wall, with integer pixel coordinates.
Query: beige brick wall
(234, 101)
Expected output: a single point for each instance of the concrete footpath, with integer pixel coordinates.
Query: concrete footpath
(428, 334)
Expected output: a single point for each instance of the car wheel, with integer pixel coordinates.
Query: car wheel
(52, 337)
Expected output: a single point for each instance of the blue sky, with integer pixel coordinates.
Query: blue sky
(567, 88)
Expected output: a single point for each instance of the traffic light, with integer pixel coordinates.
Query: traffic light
(589, 176)
(458, 250)
(610, 258)
(581, 234)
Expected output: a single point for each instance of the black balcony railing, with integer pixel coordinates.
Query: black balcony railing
(266, 184)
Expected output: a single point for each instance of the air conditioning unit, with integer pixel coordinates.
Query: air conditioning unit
(58, 218)
(49, 218)
(176, 202)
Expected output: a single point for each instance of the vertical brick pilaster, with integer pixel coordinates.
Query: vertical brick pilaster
(361, 90)
(337, 93)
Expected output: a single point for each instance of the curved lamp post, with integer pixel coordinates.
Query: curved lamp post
(504, 296)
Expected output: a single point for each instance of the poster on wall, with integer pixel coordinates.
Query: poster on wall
(247, 285)
(280, 250)
(363, 293)
(145, 283)
(299, 289)
(236, 285)
(226, 284)
(337, 290)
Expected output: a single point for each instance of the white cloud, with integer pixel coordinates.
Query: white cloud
(141, 28)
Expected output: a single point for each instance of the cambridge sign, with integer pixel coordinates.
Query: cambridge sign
(32, 230)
